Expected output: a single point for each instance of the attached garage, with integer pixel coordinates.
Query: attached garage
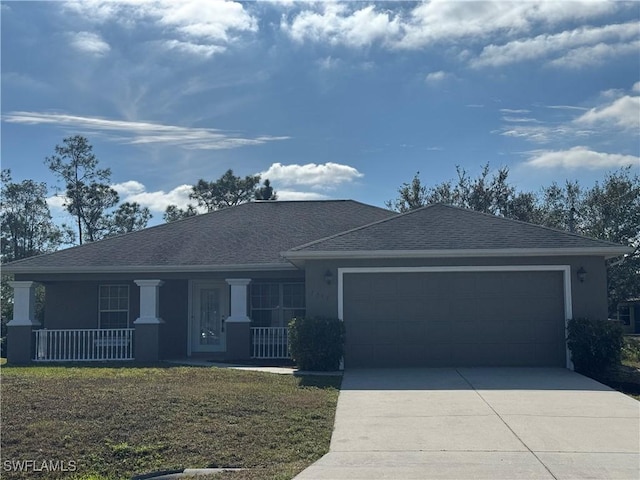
(452, 317)
(441, 286)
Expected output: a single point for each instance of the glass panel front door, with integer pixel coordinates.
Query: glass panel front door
(209, 314)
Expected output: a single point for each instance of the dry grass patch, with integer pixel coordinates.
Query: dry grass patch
(117, 422)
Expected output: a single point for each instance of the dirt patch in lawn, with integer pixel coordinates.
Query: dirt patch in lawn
(117, 422)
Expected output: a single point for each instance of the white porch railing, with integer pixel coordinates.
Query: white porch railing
(269, 342)
(86, 345)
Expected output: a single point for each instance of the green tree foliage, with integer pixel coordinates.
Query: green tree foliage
(173, 213)
(414, 195)
(266, 191)
(227, 191)
(129, 217)
(27, 226)
(89, 197)
(611, 211)
(88, 194)
(487, 194)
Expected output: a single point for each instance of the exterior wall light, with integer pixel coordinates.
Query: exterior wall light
(581, 274)
(328, 277)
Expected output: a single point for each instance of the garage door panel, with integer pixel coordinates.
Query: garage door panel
(543, 329)
(437, 331)
(470, 354)
(410, 332)
(452, 318)
(434, 309)
(552, 352)
(462, 309)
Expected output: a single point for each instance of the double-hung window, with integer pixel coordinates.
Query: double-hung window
(624, 314)
(113, 306)
(274, 304)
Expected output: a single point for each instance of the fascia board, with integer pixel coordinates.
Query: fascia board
(607, 252)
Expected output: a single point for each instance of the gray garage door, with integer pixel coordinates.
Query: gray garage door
(454, 319)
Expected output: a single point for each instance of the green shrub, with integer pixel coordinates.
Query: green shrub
(316, 343)
(631, 350)
(594, 344)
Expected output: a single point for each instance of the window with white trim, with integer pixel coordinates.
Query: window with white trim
(624, 314)
(275, 304)
(113, 306)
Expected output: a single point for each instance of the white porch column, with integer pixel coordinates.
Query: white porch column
(238, 299)
(149, 302)
(24, 304)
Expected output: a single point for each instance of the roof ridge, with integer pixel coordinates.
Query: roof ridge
(336, 235)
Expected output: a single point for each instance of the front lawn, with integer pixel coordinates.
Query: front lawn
(120, 421)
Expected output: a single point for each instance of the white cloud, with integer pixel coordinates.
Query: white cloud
(134, 191)
(581, 157)
(321, 176)
(437, 77)
(329, 63)
(342, 23)
(540, 133)
(443, 20)
(623, 112)
(636, 87)
(565, 107)
(191, 23)
(56, 202)
(514, 110)
(295, 195)
(193, 48)
(193, 138)
(338, 25)
(595, 54)
(578, 47)
(88, 42)
(520, 119)
(158, 201)
(128, 188)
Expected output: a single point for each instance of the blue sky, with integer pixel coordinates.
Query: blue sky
(326, 99)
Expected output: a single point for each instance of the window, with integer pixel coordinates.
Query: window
(113, 306)
(274, 304)
(624, 314)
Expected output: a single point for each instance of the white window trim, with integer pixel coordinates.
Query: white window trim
(128, 302)
(565, 269)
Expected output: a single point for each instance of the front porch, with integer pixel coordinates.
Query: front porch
(207, 330)
(117, 345)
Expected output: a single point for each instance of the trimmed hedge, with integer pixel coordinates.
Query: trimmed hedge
(316, 343)
(595, 345)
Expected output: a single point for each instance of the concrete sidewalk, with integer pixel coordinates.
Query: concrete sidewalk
(480, 423)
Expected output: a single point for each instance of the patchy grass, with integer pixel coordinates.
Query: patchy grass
(117, 422)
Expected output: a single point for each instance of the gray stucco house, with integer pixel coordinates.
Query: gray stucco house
(438, 286)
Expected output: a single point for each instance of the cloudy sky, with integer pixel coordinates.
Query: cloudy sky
(326, 99)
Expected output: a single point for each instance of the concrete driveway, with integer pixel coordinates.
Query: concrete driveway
(480, 423)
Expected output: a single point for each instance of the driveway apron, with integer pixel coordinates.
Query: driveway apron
(480, 423)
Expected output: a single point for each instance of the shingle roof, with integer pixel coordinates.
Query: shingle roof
(249, 234)
(445, 228)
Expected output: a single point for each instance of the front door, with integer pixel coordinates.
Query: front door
(209, 309)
